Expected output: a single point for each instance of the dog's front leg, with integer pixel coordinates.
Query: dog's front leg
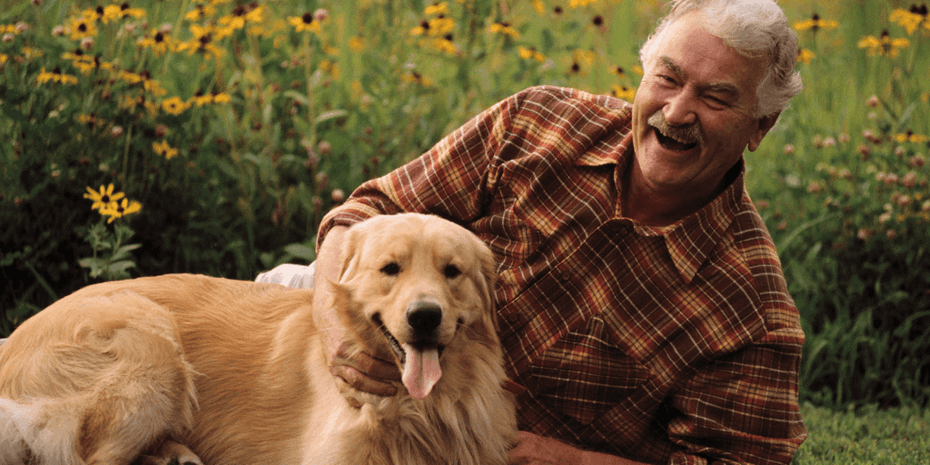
(170, 453)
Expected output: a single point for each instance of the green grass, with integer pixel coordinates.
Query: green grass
(865, 436)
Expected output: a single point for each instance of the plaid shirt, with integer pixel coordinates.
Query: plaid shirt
(676, 344)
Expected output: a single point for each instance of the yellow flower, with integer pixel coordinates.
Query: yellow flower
(445, 45)
(815, 24)
(580, 3)
(884, 45)
(438, 9)
(130, 77)
(805, 56)
(56, 76)
(435, 27)
(164, 149)
(911, 19)
(221, 97)
(104, 198)
(505, 29)
(119, 210)
(200, 99)
(199, 12)
(81, 28)
(103, 14)
(157, 41)
(174, 105)
(623, 92)
(531, 54)
(539, 6)
(909, 136)
(330, 67)
(203, 41)
(356, 44)
(417, 78)
(3, 58)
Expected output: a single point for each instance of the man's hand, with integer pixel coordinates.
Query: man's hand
(359, 370)
(350, 367)
(537, 450)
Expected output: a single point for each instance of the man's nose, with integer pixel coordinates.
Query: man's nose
(679, 110)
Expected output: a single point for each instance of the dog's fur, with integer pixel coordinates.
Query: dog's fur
(235, 370)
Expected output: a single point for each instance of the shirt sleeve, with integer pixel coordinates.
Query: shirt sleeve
(743, 407)
(450, 180)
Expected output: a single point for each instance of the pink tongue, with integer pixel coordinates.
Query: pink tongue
(421, 370)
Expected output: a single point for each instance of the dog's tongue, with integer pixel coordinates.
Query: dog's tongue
(421, 370)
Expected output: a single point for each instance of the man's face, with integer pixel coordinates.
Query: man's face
(700, 92)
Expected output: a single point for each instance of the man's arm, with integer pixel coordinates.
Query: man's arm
(537, 450)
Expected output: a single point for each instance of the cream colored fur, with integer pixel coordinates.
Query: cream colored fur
(234, 371)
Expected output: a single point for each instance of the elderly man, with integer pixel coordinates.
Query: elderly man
(641, 299)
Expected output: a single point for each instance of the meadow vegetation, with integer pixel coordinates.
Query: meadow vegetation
(149, 137)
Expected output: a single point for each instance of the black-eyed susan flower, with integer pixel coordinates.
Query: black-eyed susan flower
(80, 28)
(417, 78)
(436, 27)
(531, 54)
(884, 45)
(911, 137)
(242, 14)
(911, 19)
(174, 105)
(581, 61)
(305, 23)
(157, 41)
(200, 11)
(623, 92)
(103, 198)
(504, 28)
(126, 11)
(815, 24)
(103, 14)
(162, 148)
(203, 40)
(55, 75)
(121, 209)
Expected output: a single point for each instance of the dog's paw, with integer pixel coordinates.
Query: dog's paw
(170, 453)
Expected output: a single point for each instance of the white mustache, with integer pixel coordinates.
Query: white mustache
(689, 134)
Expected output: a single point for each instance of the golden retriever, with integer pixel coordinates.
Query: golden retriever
(184, 368)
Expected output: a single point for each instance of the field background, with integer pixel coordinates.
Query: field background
(228, 129)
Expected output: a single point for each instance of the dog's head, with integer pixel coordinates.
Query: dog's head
(416, 286)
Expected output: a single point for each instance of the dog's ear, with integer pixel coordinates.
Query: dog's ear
(349, 256)
(487, 282)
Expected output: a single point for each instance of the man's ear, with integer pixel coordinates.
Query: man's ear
(766, 123)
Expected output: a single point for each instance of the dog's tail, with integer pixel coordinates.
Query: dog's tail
(37, 432)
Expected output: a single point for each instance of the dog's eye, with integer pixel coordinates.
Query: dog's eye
(391, 269)
(451, 271)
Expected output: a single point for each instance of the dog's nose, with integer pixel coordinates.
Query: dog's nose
(424, 318)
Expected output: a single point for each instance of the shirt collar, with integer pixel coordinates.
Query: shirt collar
(691, 240)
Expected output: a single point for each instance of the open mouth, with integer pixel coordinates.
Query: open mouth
(419, 362)
(673, 144)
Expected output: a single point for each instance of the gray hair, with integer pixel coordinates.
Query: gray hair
(752, 28)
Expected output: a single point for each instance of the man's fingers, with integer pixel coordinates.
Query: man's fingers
(373, 367)
(362, 382)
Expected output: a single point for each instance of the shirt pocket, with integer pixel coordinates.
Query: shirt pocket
(583, 375)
